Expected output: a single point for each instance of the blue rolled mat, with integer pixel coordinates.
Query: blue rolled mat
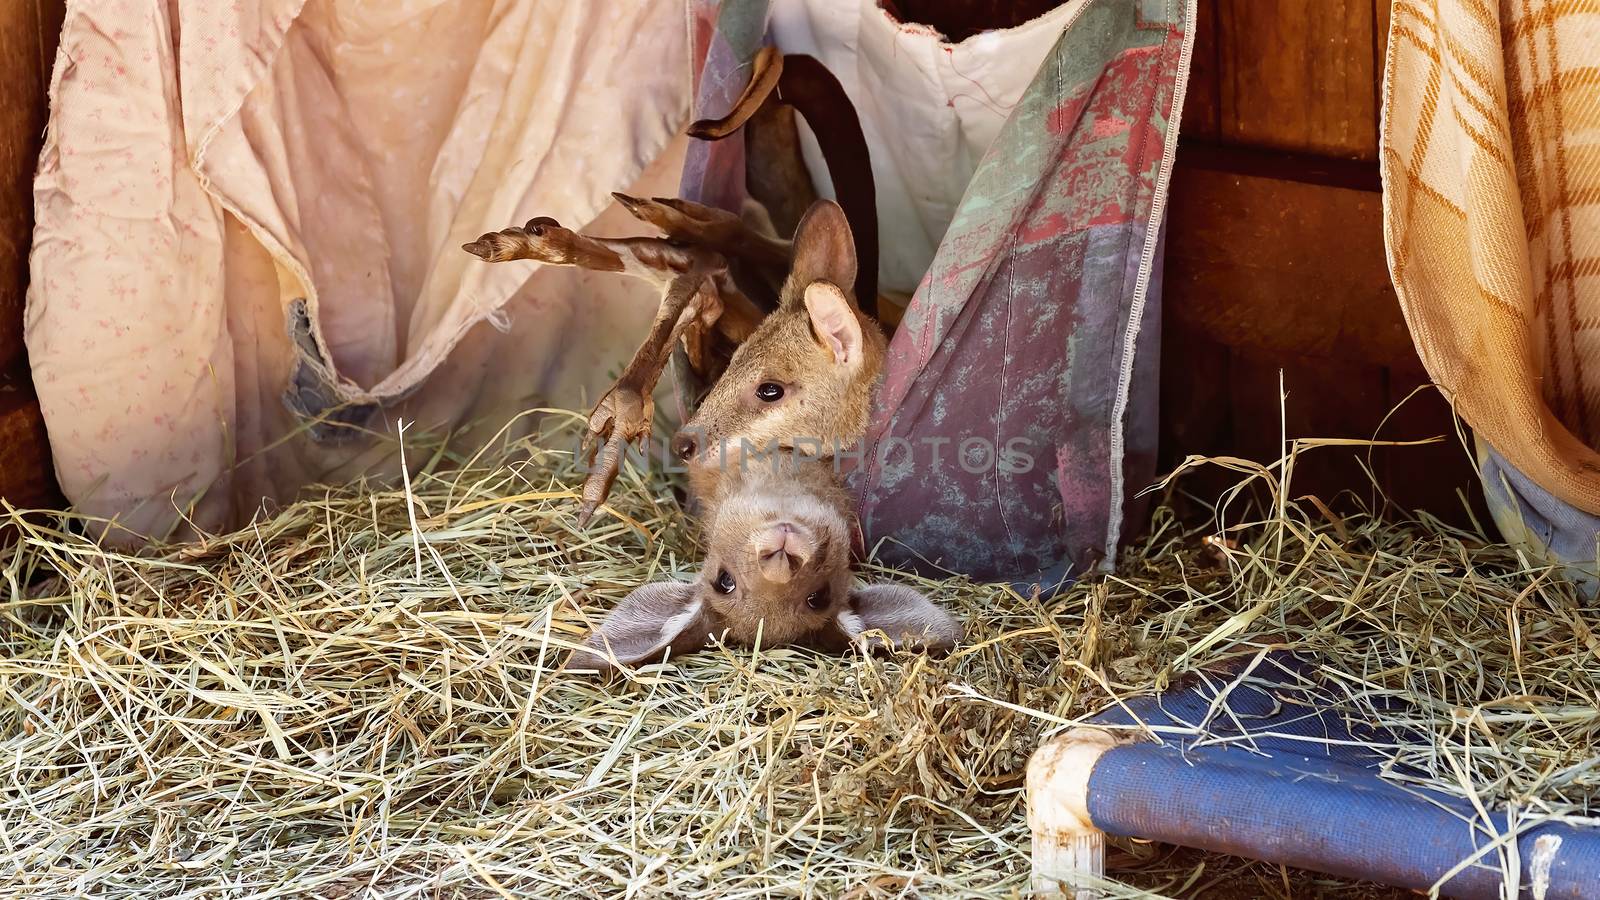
(1273, 773)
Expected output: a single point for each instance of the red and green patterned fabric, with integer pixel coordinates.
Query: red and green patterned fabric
(1017, 418)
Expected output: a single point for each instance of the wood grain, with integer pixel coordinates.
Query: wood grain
(1276, 262)
(1202, 100)
(1298, 75)
(22, 120)
(958, 20)
(1195, 374)
(26, 479)
(1380, 37)
(1220, 401)
(1440, 478)
(1322, 398)
(29, 33)
(1282, 267)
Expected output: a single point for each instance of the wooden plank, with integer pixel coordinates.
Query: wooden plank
(1434, 477)
(26, 478)
(1282, 268)
(1276, 262)
(1381, 10)
(1202, 101)
(22, 118)
(1298, 75)
(1218, 401)
(1380, 36)
(1195, 374)
(1323, 398)
(1196, 413)
(29, 33)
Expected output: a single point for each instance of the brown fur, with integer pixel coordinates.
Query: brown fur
(825, 404)
(730, 260)
(771, 588)
(780, 534)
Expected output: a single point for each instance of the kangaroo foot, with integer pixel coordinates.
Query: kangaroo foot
(544, 240)
(622, 417)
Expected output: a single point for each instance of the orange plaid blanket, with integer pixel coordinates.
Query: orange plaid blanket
(1491, 174)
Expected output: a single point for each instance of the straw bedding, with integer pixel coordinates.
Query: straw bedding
(359, 696)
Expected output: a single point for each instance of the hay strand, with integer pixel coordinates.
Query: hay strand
(359, 695)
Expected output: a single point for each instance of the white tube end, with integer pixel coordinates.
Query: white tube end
(1068, 851)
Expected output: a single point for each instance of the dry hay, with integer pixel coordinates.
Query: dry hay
(358, 696)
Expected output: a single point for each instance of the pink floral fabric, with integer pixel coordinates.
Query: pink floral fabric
(249, 220)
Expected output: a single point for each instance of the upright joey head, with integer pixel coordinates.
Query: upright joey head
(804, 379)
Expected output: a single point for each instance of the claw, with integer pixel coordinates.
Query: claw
(499, 246)
(543, 239)
(622, 417)
(684, 220)
(598, 485)
(496, 246)
(600, 425)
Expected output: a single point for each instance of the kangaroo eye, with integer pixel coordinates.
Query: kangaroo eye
(769, 392)
(818, 600)
(724, 583)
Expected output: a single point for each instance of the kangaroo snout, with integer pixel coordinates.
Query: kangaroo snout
(782, 549)
(684, 446)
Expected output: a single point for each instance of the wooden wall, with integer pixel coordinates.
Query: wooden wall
(29, 31)
(1274, 253)
(1275, 259)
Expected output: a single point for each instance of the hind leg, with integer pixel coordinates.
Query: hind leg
(623, 416)
(688, 222)
(544, 240)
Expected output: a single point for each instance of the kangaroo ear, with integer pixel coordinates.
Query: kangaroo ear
(834, 322)
(905, 615)
(648, 622)
(824, 250)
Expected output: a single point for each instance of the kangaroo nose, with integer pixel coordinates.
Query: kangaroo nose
(684, 446)
(781, 549)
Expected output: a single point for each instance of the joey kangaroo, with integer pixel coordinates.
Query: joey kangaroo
(778, 519)
(802, 374)
(797, 387)
(803, 380)
(776, 515)
(777, 572)
(800, 379)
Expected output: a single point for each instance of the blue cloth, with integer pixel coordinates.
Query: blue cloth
(1272, 772)
(1530, 517)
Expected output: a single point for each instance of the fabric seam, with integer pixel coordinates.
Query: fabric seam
(1158, 206)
